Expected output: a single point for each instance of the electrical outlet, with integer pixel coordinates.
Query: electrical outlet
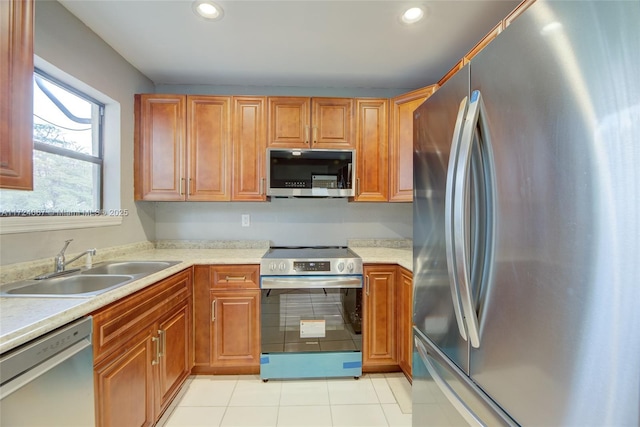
(246, 220)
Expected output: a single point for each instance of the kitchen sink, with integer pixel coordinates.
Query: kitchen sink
(130, 267)
(77, 285)
(86, 282)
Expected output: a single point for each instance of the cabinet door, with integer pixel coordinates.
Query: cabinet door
(401, 144)
(235, 328)
(405, 320)
(379, 322)
(209, 148)
(16, 94)
(332, 123)
(174, 363)
(249, 149)
(289, 122)
(159, 149)
(372, 182)
(124, 385)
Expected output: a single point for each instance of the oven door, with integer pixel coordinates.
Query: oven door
(305, 330)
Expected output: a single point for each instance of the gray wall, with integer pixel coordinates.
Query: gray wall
(285, 221)
(65, 42)
(333, 92)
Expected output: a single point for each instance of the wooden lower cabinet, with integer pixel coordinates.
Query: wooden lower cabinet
(124, 385)
(142, 352)
(405, 320)
(227, 319)
(235, 337)
(379, 319)
(174, 361)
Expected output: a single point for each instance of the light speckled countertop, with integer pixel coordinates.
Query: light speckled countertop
(23, 319)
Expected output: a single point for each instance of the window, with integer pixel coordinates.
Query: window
(67, 156)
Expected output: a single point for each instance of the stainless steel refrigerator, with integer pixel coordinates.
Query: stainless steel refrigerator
(527, 226)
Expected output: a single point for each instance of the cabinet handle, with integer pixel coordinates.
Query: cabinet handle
(213, 310)
(366, 285)
(190, 188)
(306, 134)
(262, 186)
(357, 186)
(182, 186)
(162, 345)
(315, 135)
(235, 278)
(156, 341)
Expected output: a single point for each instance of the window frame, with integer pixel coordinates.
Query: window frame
(110, 128)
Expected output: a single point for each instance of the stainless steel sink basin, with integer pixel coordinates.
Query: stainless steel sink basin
(130, 267)
(86, 283)
(82, 285)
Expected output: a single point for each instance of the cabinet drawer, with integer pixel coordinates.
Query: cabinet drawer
(117, 323)
(235, 276)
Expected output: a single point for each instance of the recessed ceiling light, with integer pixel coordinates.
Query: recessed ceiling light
(412, 15)
(208, 10)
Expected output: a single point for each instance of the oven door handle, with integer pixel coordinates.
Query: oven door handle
(306, 282)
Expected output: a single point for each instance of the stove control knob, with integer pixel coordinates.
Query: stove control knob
(272, 266)
(340, 266)
(283, 266)
(350, 267)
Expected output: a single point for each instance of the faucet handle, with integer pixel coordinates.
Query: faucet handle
(64, 248)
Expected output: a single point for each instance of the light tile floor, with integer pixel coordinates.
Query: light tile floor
(245, 401)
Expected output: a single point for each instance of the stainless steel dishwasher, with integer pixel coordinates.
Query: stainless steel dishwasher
(49, 381)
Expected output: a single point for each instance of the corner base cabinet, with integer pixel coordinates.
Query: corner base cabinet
(227, 319)
(142, 352)
(404, 306)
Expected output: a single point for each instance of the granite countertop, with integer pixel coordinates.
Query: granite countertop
(23, 319)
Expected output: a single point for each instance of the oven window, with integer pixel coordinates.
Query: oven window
(310, 320)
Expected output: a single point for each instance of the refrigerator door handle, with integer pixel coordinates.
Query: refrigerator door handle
(450, 394)
(449, 220)
(474, 118)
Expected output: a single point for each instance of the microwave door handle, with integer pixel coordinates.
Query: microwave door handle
(449, 219)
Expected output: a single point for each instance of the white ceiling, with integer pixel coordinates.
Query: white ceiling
(307, 43)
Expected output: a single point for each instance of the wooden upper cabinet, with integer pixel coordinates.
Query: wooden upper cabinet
(372, 148)
(209, 148)
(401, 143)
(16, 94)
(249, 148)
(289, 119)
(301, 122)
(331, 123)
(182, 148)
(159, 149)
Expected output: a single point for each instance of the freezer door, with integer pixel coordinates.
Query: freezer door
(444, 396)
(560, 335)
(434, 311)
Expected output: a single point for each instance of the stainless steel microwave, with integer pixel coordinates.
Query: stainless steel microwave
(310, 173)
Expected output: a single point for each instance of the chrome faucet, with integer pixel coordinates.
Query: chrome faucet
(60, 262)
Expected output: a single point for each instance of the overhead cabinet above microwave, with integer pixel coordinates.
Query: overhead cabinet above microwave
(301, 122)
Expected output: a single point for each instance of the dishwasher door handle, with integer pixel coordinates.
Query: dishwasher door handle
(26, 377)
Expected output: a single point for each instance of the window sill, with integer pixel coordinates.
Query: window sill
(11, 225)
